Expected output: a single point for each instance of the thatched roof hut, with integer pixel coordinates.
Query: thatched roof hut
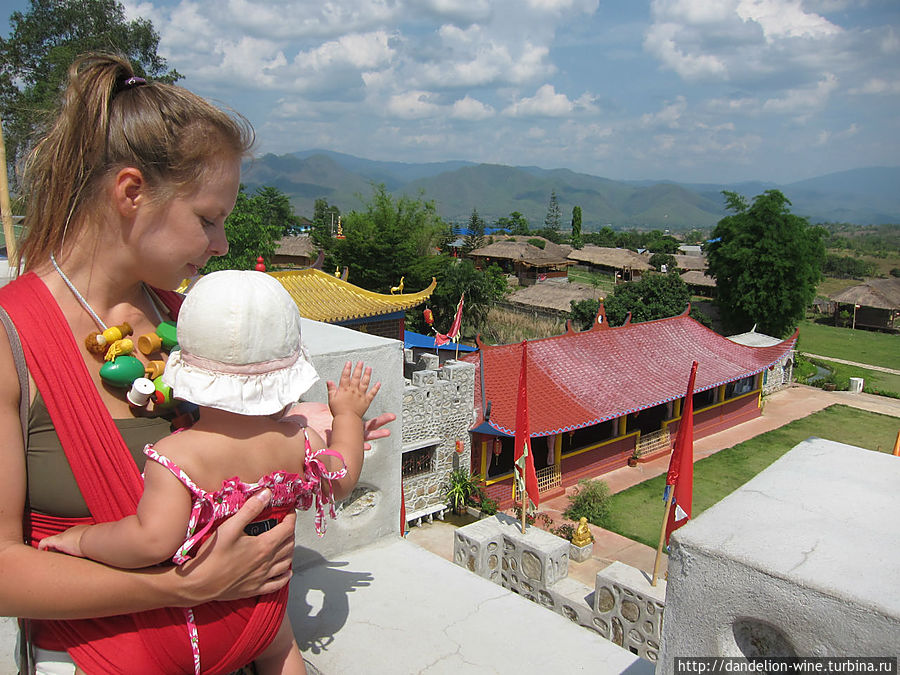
(297, 251)
(552, 297)
(878, 293)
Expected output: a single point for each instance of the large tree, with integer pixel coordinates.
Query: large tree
(656, 296)
(577, 241)
(483, 289)
(475, 237)
(42, 44)
(388, 240)
(766, 262)
(553, 219)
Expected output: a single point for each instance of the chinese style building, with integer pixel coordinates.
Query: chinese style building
(598, 397)
(323, 297)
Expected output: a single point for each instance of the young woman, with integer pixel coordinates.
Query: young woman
(126, 196)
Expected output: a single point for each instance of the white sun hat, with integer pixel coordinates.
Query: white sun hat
(239, 346)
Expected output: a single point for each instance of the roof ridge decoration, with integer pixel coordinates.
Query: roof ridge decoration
(323, 297)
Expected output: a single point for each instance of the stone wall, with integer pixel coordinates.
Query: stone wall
(623, 608)
(437, 411)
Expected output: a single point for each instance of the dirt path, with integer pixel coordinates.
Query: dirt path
(882, 369)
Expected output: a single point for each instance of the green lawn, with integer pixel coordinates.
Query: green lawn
(874, 381)
(862, 346)
(637, 512)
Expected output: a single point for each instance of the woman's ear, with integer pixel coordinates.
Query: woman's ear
(129, 190)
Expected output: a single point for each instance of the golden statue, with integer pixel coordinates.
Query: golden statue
(582, 536)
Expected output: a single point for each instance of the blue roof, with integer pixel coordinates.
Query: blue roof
(411, 340)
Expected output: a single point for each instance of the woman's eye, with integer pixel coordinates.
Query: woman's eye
(206, 222)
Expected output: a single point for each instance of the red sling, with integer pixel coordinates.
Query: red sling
(152, 642)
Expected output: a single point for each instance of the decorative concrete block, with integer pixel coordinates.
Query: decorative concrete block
(630, 609)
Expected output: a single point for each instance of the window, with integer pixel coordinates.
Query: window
(418, 462)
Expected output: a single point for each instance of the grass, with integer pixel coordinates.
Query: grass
(861, 346)
(874, 381)
(604, 282)
(505, 327)
(637, 512)
(830, 286)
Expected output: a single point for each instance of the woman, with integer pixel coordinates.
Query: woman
(127, 195)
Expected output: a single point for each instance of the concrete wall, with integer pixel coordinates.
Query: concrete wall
(372, 510)
(801, 560)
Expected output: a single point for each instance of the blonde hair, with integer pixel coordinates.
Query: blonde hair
(109, 121)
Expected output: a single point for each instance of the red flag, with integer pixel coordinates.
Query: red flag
(681, 466)
(453, 333)
(526, 478)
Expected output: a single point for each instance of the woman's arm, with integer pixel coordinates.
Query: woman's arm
(35, 584)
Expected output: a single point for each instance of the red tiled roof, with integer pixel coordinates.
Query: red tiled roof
(577, 380)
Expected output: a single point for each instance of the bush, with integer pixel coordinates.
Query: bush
(565, 531)
(590, 500)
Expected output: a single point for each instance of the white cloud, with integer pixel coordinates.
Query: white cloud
(877, 86)
(547, 103)
(412, 105)
(469, 108)
(669, 116)
(827, 137)
(798, 101)
(785, 18)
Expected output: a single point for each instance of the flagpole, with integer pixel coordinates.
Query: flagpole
(524, 508)
(662, 537)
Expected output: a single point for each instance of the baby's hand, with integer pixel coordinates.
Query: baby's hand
(352, 393)
(68, 542)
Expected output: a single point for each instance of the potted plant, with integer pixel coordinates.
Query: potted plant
(635, 456)
(460, 487)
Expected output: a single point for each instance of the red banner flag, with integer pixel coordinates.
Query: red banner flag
(681, 466)
(453, 333)
(526, 478)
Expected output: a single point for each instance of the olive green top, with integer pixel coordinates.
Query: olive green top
(52, 489)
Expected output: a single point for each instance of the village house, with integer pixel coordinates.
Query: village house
(620, 263)
(874, 304)
(601, 396)
(529, 259)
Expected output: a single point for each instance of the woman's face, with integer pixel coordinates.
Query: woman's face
(176, 237)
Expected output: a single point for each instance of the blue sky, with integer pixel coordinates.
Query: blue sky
(688, 90)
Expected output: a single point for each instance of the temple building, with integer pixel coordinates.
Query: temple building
(323, 297)
(600, 397)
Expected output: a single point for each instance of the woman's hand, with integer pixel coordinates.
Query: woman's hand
(318, 417)
(231, 564)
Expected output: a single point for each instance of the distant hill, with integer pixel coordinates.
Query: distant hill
(860, 196)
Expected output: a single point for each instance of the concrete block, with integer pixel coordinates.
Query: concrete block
(801, 560)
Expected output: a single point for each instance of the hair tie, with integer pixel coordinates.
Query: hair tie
(134, 81)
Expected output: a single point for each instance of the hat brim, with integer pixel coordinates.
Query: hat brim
(257, 394)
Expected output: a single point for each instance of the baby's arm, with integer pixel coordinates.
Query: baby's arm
(150, 536)
(349, 400)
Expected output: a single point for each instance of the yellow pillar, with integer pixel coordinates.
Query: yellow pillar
(678, 407)
(720, 393)
(623, 425)
(557, 449)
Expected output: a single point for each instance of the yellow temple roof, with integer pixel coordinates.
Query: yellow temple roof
(324, 297)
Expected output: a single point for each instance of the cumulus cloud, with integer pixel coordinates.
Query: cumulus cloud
(547, 103)
(804, 99)
(878, 86)
(469, 108)
(412, 105)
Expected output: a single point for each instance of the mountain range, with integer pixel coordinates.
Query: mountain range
(868, 196)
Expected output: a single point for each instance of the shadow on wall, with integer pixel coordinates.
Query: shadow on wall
(323, 584)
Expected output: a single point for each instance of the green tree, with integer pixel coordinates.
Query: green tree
(657, 260)
(766, 262)
(253, 229)
(324, 224)
(655, 296)
(516, 223)
(389, 240)
(45, 40)
(475, 238)
(577, 241)
(483, 289)
(553, 219)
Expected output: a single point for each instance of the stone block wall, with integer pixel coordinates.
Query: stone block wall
(623, 608)
(628, 610)
(438, 409)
